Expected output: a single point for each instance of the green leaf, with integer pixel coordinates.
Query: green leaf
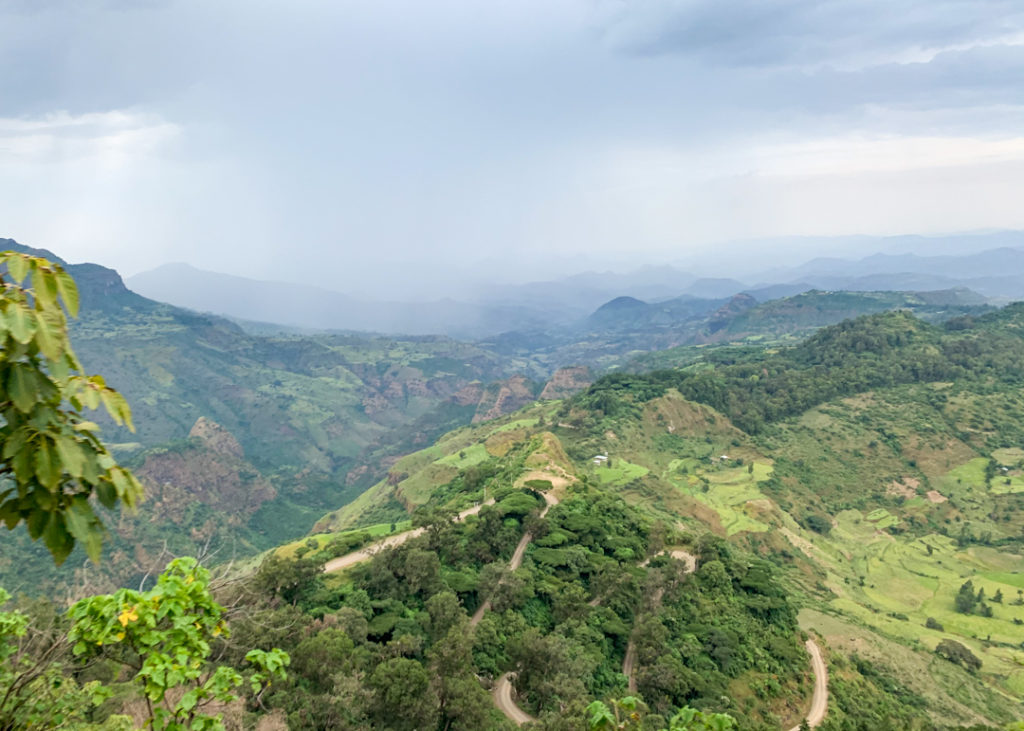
(24, 470)
(45, 287)
(36, 523)
(57, 538)
(23, 387)
(83, 524)
(117, 407)
(106, 494)
(188, 701)
(15, 442)
(10, 513)
(48, 466)
(50, 336)
(71, 455)
(90, 468)
(21, 321)
(68, 291)
(18, 266)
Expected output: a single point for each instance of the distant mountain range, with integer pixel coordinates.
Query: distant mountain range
(997, 274)
(312, 308)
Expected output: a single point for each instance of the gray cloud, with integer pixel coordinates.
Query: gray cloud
(805, 32)
(407, 146)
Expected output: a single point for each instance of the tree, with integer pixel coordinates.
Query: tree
(818, 523)
(51, 454)
(34, 692)
(290, 579)
(445, 612)
(628, 713)
(403, 696)
(163, 638)
(463, 703)
(966, 598)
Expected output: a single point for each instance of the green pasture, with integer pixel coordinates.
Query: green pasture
(620, 473)
(729, 490)
(471, 455)
(893, 585)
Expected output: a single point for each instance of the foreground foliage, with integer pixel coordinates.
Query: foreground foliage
(158, 642)
(50, 451)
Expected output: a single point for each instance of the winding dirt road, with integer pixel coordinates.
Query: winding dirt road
(517, 559)
(819, 701)
(503, 689)
(503, 700)
(629, 661)
(368, 552)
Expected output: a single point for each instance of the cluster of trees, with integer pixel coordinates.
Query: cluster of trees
(756, 388)
(630, 714)
(693, 645)
(394, 648)
(969, 602)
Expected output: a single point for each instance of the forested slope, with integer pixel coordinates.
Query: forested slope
(873, 470)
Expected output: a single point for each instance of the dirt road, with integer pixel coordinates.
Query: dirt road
(819, 701)
(516, 560)
(364, 554)
(503, 700)
(628, 664)
(629, 661)
(502, 692)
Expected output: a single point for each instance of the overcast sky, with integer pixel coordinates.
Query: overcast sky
(384, 144)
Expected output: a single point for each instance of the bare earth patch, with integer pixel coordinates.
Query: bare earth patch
(936, 497)
(907, 487)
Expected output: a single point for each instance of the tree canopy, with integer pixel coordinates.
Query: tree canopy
(52, 462)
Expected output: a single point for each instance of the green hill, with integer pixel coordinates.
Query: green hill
(313, 416)
(873, 470)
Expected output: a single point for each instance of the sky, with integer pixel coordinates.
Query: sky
(389, 148)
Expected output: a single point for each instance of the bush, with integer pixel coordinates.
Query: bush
(957, 653)
(818, 524)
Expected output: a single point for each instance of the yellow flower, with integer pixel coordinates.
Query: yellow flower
(120, 635)
(129, 614)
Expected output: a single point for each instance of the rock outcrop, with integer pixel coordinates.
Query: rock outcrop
(567, 381)
(504, 397)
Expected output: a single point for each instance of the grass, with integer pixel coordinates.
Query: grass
(620, 473)
(471, 455)
(515, 424)
(893, 585)
(1009, 456)
(882, 518)
(953, 696)
(378, 530)
(728, 490)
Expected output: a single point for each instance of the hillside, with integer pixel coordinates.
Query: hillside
(629, 333)
(313, 417)
(874, 468)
